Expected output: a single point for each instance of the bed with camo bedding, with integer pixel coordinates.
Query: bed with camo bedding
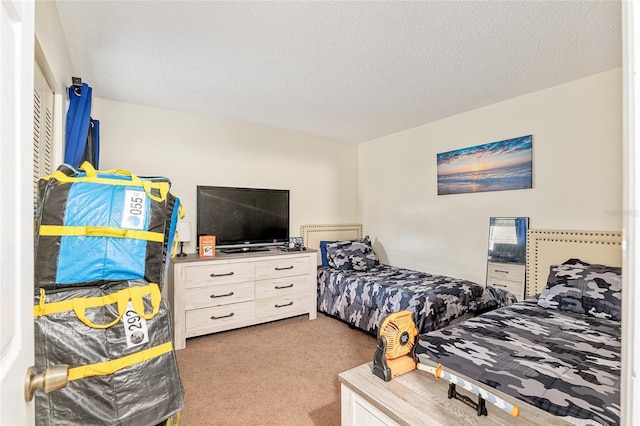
(365, 298)
(354, 287)
(558, 350)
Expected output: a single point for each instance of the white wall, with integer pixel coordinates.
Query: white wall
(195, 150)
(577, 157)
(52, 45)
(53, 56)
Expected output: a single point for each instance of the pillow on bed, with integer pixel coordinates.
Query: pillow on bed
(323, 252)
(352, 254)
(583, 288)
(502, 296)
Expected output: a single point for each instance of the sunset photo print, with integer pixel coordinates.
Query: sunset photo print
(495, 166)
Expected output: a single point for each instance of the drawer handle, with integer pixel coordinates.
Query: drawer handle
(499, 285)
(228, 274)
(280, 287)
(500, 270)
(213, 296)
(284, 269)
(213, 317)
(282, 306)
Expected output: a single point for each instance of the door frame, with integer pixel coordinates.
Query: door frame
(17, 21)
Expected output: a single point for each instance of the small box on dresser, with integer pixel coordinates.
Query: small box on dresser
(210, 295)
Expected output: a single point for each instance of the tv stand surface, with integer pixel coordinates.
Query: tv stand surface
(244, 249)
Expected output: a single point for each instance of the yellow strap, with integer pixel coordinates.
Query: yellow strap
(88, 168)
(173, 420)
(163, 188)
(134, 294)
(99, 231)
(138, 304)
(91, 176)
(110, 367)
(40, 306)
(174, 249)
(90, 171)
(80, 304)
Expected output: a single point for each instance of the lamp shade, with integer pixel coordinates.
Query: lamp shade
(184, 232)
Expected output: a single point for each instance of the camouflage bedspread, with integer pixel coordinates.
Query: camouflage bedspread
(365, 298)
(562, 362)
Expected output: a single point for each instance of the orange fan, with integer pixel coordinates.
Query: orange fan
(395, 355)
(395, 347)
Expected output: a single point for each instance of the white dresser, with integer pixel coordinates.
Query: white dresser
(236, 290)
(509, 276)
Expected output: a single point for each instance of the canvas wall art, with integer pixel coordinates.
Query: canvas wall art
(495, 166)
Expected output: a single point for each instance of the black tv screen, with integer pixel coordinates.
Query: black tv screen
(243, 217)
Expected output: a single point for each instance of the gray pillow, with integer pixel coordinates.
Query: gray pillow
(352, 254)
(580, 287)
(502, 296)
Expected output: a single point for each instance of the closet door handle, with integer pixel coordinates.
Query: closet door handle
(280, 287)
(284, 269)
(282, 306)
(213, 296)
(228, 274)
(213, 317)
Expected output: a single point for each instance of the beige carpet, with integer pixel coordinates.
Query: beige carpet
(280, 373)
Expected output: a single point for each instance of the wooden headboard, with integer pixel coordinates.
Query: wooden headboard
(553, 247)
(313, 234)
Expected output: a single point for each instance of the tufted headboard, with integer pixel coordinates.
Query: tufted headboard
(313, 234)
(553, 247)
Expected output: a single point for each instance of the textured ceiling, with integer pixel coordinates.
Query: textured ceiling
(350, 71)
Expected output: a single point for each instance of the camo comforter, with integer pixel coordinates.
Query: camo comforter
(365, 298)
(562, 362)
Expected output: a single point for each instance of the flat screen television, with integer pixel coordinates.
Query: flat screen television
(243, 219)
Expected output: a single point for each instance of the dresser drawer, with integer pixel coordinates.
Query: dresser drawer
(220, 294)
(204, 275)
(219, 318)
(281, 307)
(276, 287)
(278, 268)
(515, 288)
(506, 271)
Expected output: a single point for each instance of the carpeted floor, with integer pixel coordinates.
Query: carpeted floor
(280, 373)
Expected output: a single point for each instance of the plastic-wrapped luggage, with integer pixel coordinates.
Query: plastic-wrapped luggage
(117, 340)
(102, 248)
(98, 226)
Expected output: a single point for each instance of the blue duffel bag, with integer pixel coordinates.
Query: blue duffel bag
(98, 226)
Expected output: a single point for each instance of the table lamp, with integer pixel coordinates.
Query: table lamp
(184, 236)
